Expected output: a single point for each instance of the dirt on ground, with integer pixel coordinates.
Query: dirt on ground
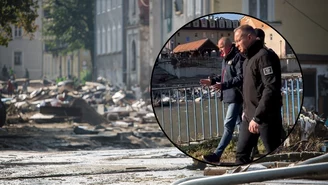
(63, 136)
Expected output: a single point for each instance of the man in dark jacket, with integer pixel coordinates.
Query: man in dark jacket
(229, 82)
(262, 97)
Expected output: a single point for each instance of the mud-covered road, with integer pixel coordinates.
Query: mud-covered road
(106, 166)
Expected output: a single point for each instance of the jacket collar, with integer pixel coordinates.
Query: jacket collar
(253, 49)
(232, 53)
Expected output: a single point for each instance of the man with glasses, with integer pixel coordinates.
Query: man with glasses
(262, 97)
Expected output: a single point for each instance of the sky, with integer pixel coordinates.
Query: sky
(229, 16)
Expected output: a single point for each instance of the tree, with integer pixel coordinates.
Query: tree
(20, 13)
(70, 26)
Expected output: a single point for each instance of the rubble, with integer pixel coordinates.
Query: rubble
(95, 110)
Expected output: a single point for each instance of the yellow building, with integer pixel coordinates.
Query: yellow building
(272, 40)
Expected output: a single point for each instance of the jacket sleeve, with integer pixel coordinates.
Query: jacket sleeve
(269, 73)
(215, 79)
(218, 77)
(236, 81)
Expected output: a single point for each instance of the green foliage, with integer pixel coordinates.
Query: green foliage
(69, 25)
(20, 13)
(85, 75)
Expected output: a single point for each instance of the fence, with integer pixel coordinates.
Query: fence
(193, 113)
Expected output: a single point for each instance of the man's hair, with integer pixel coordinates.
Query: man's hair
(260, 34)
(246, 29)
(226, 41)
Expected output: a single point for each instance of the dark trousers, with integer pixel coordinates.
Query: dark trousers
(270, 134)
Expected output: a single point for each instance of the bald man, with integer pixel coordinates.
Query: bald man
(229, 82)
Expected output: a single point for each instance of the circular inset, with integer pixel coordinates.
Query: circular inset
(227, 91)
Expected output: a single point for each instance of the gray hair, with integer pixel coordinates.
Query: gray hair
(226, 41)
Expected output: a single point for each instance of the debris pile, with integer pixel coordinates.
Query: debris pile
(95, 109)
(309, 134)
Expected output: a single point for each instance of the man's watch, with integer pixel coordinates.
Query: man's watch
(256, 120)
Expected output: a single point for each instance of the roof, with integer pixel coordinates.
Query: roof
(196, 45)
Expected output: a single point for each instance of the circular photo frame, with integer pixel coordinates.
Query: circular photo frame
(227, 89)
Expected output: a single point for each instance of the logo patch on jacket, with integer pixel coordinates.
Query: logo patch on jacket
(230, 62)
(267, 70)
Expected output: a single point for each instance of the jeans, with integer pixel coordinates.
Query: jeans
(233, 117)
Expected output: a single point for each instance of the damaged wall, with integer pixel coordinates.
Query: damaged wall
(311, 73)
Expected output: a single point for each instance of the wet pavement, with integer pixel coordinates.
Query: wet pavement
(106, 166)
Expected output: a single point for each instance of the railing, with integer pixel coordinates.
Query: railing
(209, 62)
(193, 113)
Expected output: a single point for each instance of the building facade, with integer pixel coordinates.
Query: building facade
(210, 28)
(23, 53)
(110, 40)
(137, 44)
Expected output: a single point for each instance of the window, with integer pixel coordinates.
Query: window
(222, 23)
(212, 23)
(178, 7)
(134, 57)
(212, 36)
(196, 34)
(18, 58)
(204, 34)
(228, 34)
(190, 8)
(17, 31)
(288, 49)
(103, 6)
(114, 46)
(195, 23)
(134, 7)
(109, 2)
(168, 9)
(204, 23)
(222, 34)
(113, 4)
(228, 23)
(258, 8)
(198, 6)
(98, 6)
(119, 37)
(103, 41)
(235, 23)
(98, 41)
(109, 39)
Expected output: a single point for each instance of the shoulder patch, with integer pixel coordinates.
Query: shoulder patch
(267, 70)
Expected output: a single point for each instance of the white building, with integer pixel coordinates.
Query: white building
(23, 53)
(139, 67)
(110, 40)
